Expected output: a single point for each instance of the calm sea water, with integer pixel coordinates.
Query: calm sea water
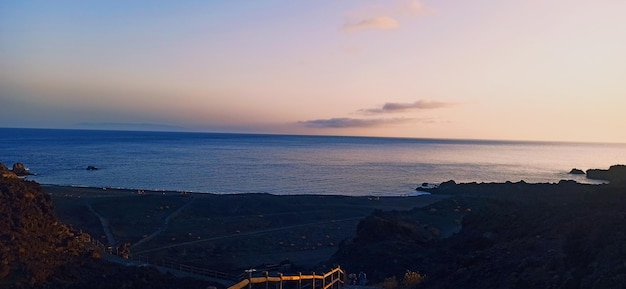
(281, 164)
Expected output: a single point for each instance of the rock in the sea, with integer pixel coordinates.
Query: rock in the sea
(576, 171)
(92, 168)
(20, 170)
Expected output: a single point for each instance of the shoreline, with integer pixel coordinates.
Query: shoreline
(414, 193)
(460, 233)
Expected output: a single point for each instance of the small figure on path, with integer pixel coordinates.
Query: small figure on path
(362, 278)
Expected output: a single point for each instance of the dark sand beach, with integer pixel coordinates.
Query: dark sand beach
(221, 232)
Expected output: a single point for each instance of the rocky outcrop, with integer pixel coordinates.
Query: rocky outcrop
(92, 168)
(576, 171)
(32, 242)
(6, 173)
(615, 174)
(516, 235)
(39, 251)
(20, 170)
(389, 242)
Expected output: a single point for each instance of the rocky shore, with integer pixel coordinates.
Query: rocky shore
(509, 235)
(474, 235)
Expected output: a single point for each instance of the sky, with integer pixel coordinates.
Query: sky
(482, 69)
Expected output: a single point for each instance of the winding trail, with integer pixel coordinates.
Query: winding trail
(163, 227)
(105, 225)
(247, 234)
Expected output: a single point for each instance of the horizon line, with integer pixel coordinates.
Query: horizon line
(252, 133)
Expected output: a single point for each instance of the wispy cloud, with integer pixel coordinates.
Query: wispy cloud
(414, 7)
(374, 23)
(393, 107)
(353, 122)
(384, 17)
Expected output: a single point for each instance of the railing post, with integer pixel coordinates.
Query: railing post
(280, 284)
(250, 277)
(300, 280)
(267, 280)
(339, 277)
(313, 282)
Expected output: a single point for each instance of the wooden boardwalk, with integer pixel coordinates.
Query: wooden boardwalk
(333, 279)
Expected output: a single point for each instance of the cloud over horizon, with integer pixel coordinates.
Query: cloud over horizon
(344, 122)
(395, 107)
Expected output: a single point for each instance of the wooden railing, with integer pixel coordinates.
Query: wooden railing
(332, 279)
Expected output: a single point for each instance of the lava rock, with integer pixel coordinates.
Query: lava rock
(33, 243)
(40, 252)
(576, 171)
(92, 168)
(20, 170)
(6, 173)
(615, 174)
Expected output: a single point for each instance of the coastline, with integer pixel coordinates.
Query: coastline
(461, 233)
(96, 190)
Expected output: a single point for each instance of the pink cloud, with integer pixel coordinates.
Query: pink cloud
(374, 23)
(392, 107)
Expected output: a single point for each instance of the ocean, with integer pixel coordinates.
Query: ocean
(288, 164)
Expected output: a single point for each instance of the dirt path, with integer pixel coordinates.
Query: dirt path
(105, 225)
(248, 234)
(163, 227)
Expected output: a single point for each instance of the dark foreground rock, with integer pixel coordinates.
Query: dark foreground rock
(32, 243)
(615, 174)
(20, 170)
(38, 251)
(512, 235)
(6, 173)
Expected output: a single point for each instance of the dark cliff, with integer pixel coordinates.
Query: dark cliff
(32, 242)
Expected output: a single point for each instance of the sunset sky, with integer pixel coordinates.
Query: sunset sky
(482, 69)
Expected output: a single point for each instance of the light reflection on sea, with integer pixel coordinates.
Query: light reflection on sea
(236, 163)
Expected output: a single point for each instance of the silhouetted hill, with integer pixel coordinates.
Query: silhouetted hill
(39, 251)
(32, 243)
